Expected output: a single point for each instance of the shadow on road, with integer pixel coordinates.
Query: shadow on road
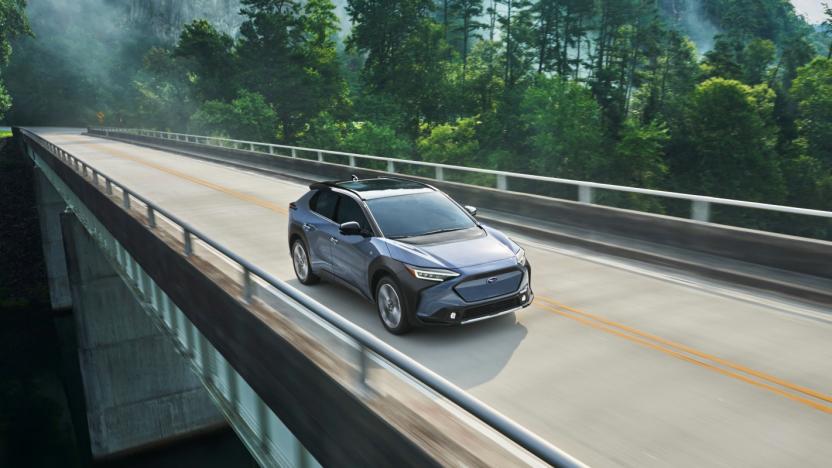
(468, 356)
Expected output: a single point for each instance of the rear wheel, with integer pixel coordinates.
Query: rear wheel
(391, 307)
(300, 261)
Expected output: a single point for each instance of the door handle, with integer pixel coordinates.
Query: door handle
(333, 240)
(308, 227)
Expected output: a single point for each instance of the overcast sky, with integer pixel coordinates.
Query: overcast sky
(811, 8)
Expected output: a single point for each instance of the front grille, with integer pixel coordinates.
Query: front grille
(491, 309)
(490, 285)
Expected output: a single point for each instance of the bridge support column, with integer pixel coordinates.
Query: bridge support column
(50, 206)
(138, 390)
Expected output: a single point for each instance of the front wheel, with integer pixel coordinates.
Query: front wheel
(300, 261)
(391, 307)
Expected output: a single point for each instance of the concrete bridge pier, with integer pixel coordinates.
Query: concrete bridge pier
(50, 206)
(138, 390)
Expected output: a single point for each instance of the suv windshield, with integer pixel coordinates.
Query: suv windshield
(418, 215)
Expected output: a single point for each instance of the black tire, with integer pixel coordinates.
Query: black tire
(300, 263)
(388, 298)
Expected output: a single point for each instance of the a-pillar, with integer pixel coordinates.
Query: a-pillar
(138, 391)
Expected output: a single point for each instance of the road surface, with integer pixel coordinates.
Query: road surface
(618, 363)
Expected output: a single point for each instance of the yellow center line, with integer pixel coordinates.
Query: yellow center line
(196, 180)
(642, 338)
(679, 355)
(688, 349)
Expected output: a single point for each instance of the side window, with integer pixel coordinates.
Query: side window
(324, 203)
(348, 210)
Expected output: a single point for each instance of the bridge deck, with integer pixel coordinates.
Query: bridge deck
(617, 363)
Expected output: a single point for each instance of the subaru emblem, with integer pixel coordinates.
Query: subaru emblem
(491, 280)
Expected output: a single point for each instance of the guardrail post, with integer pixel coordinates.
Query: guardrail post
(294, 153)
(189, 248)
(502, 182)
(320, 156)
(248, 286)
(585, 194)
(391, 167)
(440, 173)
(109, 186)
(251, 147)
(271, 149)
(352, 161)
(151, 217)
(700, 211)
(362, 366)
(95, 177)
(125, 199)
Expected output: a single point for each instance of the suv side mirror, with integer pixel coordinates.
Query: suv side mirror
(350, 228)
(472, 210)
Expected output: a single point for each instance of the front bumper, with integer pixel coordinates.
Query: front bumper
(442, 305)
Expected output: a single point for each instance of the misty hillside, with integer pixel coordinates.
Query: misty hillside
(165, 18)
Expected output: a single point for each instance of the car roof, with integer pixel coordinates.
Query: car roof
(381, 187)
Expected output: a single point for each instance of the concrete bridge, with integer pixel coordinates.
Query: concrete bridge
(653, 340)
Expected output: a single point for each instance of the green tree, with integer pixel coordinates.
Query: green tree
(163, 94)
(827, 28)
(731, 138)
(812, 90)
(287, 54)
(376, 140)
(248, 117)
(668, 79)
(384, 31)
(639, 155)
(724, 59)
(757, 57)
(797, 52)
(565, 126)
(451, 143)
(13, 23)
(405, 56)
(468, 12)
(209, 56)
(324, 132)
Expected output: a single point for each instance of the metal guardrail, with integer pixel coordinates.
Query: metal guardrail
(700, 204)
(366, 341)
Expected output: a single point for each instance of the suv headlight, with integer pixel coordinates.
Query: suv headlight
(520, 256)
(431, 274)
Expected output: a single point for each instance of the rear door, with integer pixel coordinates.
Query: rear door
(320, 228)
(353, 254)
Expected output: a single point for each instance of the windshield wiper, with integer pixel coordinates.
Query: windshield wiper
(438, 231)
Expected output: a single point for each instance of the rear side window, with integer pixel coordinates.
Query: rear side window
(324, 203)
(348, 210)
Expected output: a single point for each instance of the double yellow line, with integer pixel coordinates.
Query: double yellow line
(798, 393)
(196, 180)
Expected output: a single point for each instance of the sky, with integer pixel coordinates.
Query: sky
(811, 8)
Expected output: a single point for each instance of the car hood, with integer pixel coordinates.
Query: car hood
(464, 251)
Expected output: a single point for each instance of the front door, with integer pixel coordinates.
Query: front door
(353, 253)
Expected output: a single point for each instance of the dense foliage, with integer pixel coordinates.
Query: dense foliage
(13, 23)
(607, 90)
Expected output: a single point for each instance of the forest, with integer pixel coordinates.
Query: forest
(729, 98)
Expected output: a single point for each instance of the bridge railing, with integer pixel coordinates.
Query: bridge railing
(367, 344)
(700, 205)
